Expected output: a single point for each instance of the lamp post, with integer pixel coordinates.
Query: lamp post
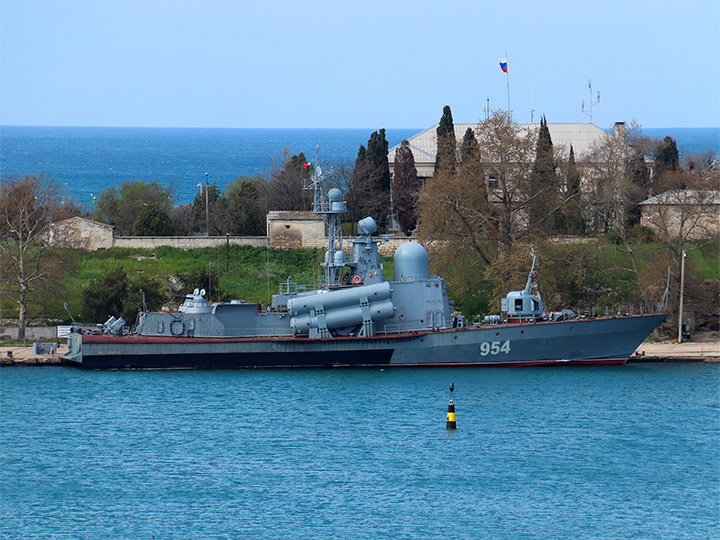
(207, 205)
(682, 291)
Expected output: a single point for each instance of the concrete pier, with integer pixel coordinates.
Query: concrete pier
(24, 356)
(705, 347)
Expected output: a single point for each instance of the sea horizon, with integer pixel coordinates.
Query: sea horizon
(87, 159)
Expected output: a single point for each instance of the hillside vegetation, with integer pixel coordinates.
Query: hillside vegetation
(580, 276)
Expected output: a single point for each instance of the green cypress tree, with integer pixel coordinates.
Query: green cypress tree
(573, 221)
(446, 143)
(406, 187)
(543, 183)
(470, 166)
(153, 220)
(667, 161)
(377, 154)
(573, 175)
(371, 180)
(667, 157)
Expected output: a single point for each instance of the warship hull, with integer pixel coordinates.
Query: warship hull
(593, 341)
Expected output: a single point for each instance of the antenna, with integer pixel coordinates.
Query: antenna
(486, 109)
(532, 105)
(591, 102)
(328, 206)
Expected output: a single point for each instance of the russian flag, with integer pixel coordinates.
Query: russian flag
(503, 64)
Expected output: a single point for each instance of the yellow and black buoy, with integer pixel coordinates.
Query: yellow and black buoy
(451, 423)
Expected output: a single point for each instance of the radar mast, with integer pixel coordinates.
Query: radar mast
(328, 206)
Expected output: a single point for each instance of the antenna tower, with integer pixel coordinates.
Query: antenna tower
(328, 206)
(592, 103)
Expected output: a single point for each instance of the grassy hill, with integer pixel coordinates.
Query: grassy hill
(576, 276)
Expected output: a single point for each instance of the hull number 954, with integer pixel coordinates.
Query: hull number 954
(494, 347)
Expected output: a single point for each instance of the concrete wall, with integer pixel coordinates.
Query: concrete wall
(187, 242)
(386, 249)
(287, 230)
(32, 333)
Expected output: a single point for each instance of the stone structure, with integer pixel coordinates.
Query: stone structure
(291, 230)
(81, 233)
(688, 213)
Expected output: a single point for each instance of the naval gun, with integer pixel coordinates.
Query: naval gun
(523, 306)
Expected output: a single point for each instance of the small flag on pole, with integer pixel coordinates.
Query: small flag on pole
(503, 64)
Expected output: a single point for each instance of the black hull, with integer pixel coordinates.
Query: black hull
(318, 359)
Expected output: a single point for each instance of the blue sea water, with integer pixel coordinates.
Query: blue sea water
(596, 452)
(86, 160)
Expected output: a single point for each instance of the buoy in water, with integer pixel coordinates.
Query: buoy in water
(451, 423)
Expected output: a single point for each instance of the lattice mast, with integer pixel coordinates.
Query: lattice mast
(328, 206)
(589, 109)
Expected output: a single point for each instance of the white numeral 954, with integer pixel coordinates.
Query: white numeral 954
(494, 347)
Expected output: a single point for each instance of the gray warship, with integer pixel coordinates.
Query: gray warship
(357, 318)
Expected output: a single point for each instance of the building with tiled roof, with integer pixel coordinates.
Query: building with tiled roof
(581, 136)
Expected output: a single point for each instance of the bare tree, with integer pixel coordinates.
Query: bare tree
(508, 154)
(25, 212)
(688, 209)
(289, 175)
(482, 205)
(615, 184)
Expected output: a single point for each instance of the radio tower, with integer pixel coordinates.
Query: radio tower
(592, 103)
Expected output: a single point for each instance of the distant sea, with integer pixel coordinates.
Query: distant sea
(86, 160)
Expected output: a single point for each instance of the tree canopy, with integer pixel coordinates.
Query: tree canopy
(246, 206)
(288, 177)
(543, 194)
(406, 187)
(370, 191)
(153, 221)
(121, 207)
(446, 142)
(27, 264)
(115, 294)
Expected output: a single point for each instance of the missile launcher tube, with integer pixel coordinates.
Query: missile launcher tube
(343, 317)
(338, 298)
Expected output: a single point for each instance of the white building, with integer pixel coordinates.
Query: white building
(581, 136)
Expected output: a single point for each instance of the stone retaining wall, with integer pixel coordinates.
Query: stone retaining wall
(386, 249)
(187, 242)
(32, 333)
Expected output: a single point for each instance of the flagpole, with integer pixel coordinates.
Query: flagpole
(508, 88)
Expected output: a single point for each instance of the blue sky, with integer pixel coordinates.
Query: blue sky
(395, 64)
